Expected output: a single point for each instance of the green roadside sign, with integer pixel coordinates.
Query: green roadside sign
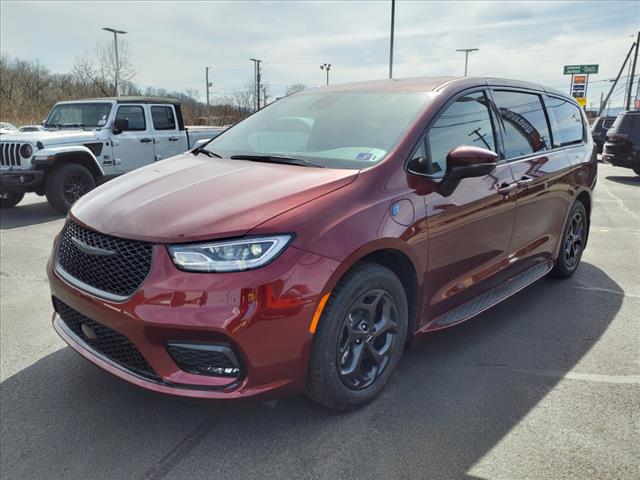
(580, 69)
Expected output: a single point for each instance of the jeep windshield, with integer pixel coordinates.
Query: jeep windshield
(78, 115)
(329, 129)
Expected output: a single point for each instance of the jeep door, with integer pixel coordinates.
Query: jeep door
(168, 139)
(470, 230)
(541, 166)
(133, 146)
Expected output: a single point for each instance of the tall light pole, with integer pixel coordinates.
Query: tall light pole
(209, 84)
(466, 56)
(115, 39)
(256, 73)
(327, 67)
(393, 18)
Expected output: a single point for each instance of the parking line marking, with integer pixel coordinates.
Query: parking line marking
(25, 227)
(620, 202)
(587, 377)
(603, 290)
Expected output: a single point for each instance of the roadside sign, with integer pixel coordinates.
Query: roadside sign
(580, 69)
(579, 88)
(579, 79)
(581, 101)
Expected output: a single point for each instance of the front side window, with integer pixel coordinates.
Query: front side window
(69, 115)
(333, 129)
(568, 128)
(163, 118)
(525, 123)
(134, 114)
(465, 122)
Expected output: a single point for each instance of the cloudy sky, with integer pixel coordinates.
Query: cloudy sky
(172, 42)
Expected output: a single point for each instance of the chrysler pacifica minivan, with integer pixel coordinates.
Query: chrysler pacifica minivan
(305, 247)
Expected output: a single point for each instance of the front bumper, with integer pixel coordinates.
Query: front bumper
(264, 314)
(20, 181)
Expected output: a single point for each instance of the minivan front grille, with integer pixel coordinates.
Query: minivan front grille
(105, 341)
(110, 265)
(10, 154)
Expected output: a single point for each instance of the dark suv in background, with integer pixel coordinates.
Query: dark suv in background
(599, 130)
(622, 148)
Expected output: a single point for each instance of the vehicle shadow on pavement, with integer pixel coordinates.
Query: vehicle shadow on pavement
(456, 395)
(626, 180)
(27, 215)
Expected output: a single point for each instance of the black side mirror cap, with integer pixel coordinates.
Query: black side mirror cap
(419, 166)
(120, 125)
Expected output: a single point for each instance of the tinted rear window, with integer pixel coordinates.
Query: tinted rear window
(626, 123)
(163, 118)
(524, 121)
(568, 126)
(608, 122)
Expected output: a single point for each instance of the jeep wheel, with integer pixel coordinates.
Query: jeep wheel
(9, 200)
(360, 338)
(66, 183)
(572, 243)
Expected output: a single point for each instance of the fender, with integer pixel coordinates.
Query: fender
(48, 155)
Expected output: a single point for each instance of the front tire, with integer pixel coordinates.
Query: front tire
(574, 239)
(360, 338)
(66, 183)
(10, 200)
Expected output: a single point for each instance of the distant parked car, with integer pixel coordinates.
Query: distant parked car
(6, 127)
(622, 147)
(599, 130)
(32, 128)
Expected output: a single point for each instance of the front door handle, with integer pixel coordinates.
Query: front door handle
(173, 139)
(146, 140)
(507, 188)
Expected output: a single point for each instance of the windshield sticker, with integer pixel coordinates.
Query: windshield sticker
(101, 122)
(366, 157)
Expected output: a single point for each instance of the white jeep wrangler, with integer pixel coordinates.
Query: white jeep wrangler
(87, 142)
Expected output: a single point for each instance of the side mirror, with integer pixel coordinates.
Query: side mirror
(120, 125)
(419, 166)
(466, 162)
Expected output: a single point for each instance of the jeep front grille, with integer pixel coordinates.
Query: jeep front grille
(114, 267)
(10, 154)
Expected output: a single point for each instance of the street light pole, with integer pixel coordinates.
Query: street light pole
(327, 67)
(393, 17)
(256, 73)
(208, 83)
(466, 56)
(115, 40)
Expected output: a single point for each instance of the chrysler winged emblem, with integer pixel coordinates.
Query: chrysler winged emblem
(91, 250)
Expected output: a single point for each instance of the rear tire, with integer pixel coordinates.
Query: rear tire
(66, 183)
(573, 242)
(359, 339)
(10, 200)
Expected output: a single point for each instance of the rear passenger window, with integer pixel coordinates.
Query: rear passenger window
(567, 123)
(135, 116)
(465, 122)
(163, 118)
(524, 121)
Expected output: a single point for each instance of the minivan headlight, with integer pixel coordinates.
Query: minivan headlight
(229, 255)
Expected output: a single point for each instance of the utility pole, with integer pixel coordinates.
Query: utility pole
(256, 72)
(327, 67)
(115, 39)
(633, 73)
(393, 17)
(264, 96)
(606, 100)
(466, 56)
(209, 84)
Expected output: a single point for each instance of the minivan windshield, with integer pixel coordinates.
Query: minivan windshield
(69, 115)
(330, 129)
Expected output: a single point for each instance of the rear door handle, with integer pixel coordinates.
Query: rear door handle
(173, 139)
(524, 182)
(146, 140)
(507, 188)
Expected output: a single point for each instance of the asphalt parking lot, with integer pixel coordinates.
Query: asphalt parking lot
(544, 386)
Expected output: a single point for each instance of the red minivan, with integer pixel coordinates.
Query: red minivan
(302, 249)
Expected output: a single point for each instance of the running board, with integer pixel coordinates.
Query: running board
(488, 299)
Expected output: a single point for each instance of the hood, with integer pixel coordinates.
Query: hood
(192, 198)
(51, 137)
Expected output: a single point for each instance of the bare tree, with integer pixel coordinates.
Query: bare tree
(98, 68)
(295, 88)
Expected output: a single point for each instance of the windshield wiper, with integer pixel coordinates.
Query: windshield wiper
(277, 159)
(208, 153)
